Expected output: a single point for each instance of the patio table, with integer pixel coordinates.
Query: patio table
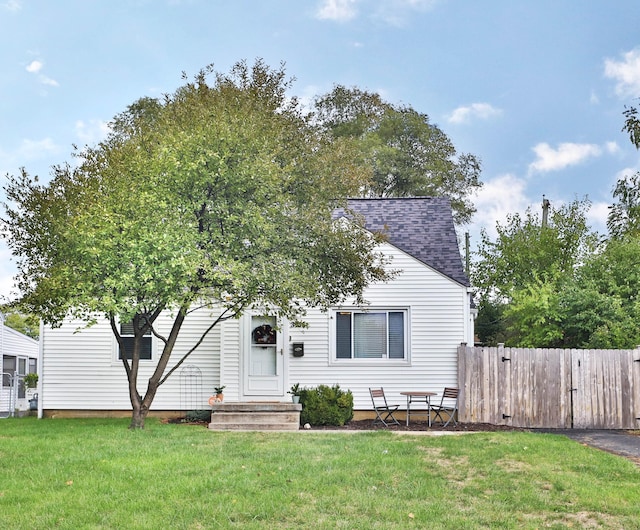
(418, 396)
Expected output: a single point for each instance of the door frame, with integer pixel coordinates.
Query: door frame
(266, 389)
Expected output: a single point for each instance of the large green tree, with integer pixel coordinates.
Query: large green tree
(28, 325)
(519, 274)
(601, 306)
(541, 292)
(408, 155)
(558, 286)
(624, 214)
(219, 194)
(525, 252)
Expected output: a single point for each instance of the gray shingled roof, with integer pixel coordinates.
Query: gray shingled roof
(420, 226)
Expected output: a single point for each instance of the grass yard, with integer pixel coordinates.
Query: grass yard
(98, 474)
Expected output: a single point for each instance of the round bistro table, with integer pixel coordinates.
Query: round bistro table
(417, 396)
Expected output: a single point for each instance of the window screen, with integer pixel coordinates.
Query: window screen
(370, 335)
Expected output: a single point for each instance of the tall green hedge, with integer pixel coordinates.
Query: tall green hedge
(326, 405)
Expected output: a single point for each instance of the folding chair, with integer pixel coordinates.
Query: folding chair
(448, 406)
(384, 411)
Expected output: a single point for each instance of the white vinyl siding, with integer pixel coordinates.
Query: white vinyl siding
(81, 372)
(436, 323)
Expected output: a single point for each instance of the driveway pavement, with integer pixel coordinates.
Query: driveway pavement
(622, 443)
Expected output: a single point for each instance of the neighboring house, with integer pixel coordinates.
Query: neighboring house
(406, 338)
(18, 357)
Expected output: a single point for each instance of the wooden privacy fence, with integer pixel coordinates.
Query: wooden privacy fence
(550, 388)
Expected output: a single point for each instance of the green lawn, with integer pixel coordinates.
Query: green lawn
(98, 474)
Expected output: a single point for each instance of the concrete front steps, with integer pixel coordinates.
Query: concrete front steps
(258, 416)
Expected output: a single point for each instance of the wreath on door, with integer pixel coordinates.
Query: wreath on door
(264, 334)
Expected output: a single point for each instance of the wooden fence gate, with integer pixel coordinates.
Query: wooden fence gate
(550, 388)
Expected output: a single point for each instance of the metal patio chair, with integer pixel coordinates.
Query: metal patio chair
(448, 406)
(384, 411)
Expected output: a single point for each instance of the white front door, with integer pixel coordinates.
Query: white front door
(263, 356)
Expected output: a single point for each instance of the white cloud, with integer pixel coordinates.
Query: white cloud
(625, 173)
(566, 154)
(12, 5)
(34, 67)
(394, 12)
(91, 132)
(498, 198)
(397, 12)
(597, 216)
(612, 147)
(27, 152)
(626, 73)
(7, 272)
(33, 149)
(306, 97)
(338, 10)
(48, 81)
(507, 195)
(483, 111)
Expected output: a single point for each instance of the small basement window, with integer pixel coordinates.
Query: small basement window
(126, 332)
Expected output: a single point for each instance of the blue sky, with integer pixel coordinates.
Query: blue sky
(535, 89)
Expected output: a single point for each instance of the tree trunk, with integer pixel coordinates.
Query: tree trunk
(138, 415)
(141, 405)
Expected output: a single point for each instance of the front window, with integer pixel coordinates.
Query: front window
(373, 334)
(126, 332)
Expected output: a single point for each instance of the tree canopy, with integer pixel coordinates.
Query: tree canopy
(408, 155)
(220, 193)
(522, 275)
(28, 325)
(525, 252)
(624, 214)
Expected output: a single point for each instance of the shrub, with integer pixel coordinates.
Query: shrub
(31, 380)
(326, 405)
(198, 415)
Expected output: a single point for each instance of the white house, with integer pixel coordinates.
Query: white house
(406, 337)
(18, 357)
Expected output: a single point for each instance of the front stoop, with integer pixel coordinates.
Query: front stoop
(274, 416)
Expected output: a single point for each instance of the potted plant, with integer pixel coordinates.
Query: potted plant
(31, 380)
(295, 393)
(219, 392)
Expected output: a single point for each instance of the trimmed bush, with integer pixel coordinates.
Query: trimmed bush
(198, 415)
(326, 405)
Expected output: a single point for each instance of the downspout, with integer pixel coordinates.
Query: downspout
(471, 313)
(40, 369)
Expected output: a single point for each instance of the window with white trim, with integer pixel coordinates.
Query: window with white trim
(126, 332)
(372, 334)
(9, 367)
